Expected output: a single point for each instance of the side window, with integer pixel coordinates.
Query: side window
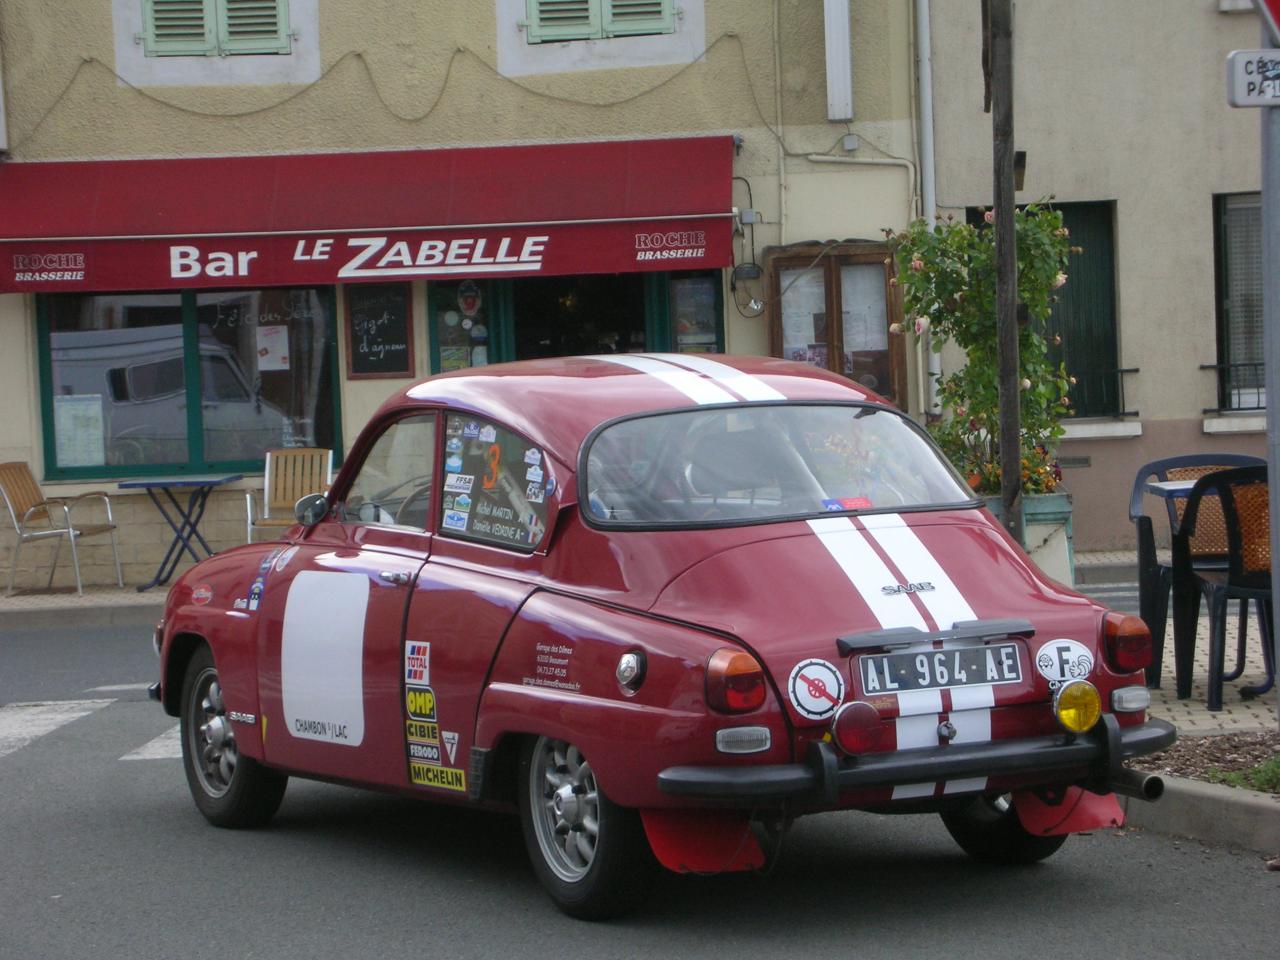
(393, 486)
(495, 485)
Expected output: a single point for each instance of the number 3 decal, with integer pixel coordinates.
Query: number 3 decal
(491, 458)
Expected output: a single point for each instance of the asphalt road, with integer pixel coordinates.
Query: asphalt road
(104, 856)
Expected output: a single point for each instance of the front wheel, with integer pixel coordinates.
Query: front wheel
(230, 790)
(988, 829)
(590, 854)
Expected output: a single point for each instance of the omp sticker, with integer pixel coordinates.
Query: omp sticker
(944, 601)
(443, 778)
(282, 561)
(743, 384)
(420, 702)
(421, 731)
(816, 688)
(202, 594)
(1061, 660)
(459, 482)
(696, 388)
(417, 663)
(322, 657)
(451, 745)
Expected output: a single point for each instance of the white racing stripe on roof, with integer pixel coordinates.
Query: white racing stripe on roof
(849, 548)
(945, 603)
(696, 388)
(744, 384)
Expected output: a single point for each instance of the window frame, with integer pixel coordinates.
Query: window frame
(337, 504)
(1223, 388)
(830, 258)
(217, 40)
(194, 393)
(601, 24)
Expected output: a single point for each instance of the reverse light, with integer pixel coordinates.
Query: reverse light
(735, 681)
(1130, 699)
(857, 729)
(743, 739)
(1077, 705)
(1127, 642)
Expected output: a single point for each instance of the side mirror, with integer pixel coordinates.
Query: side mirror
(311, 509)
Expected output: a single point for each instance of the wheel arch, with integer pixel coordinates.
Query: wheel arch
(182, 648)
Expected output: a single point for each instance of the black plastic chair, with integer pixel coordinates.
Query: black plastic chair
(1154, 578)
(1244, 499)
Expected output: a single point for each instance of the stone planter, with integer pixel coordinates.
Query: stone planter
(1046, 531)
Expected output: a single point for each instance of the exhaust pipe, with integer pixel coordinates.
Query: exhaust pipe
(1136, 784)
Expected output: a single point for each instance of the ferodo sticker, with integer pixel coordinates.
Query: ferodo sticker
(420, 702)
(443, 778)
(424, 753)
(816, 688)
(1061, 660)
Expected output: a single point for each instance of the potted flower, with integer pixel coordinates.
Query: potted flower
(947, 277)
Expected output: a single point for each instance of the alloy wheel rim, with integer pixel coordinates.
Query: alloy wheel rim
(565, 802)
(211, 741)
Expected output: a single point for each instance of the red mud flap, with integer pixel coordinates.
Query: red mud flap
(702, 841)
(1079, 810)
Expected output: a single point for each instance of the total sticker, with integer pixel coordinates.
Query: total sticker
(816, 688)
(1061, 660)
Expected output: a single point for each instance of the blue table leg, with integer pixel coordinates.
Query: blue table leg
(182, 532)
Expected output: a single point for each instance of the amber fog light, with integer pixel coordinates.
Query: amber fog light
(1077, 705)
(735, 681)
(1127, 642)
(857, 729)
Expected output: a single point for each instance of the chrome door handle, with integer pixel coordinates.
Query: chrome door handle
(392, 576)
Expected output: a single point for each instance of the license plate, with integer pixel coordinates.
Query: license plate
(939, 669)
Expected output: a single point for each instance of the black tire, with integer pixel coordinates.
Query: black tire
(989, 830)
(603, 865)
(229, 789)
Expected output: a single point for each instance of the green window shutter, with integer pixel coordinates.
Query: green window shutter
(253, 26)
(178, 28)
(551, 21)
(624, 18)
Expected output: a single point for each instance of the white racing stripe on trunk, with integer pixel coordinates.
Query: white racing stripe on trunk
(944, 602)
(167, 746)
(743, 384)
(914, 702)
(918, 731)
(20, 723)
(694, 387)
(971, 698)
(972, 726)
(971, 785)
(906, 791)
(866, 571)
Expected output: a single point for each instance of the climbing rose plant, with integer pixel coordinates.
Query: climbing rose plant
(947, 275)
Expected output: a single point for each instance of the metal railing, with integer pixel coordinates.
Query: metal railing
(1241, 386)
(1100, 393)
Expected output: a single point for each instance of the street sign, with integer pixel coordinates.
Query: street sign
(1253, 77)
(1269, 10)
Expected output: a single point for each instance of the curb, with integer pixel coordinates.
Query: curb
(131, 615)
(1212, 813)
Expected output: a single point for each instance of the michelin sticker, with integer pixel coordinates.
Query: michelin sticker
(816, 689)
(1062, 660)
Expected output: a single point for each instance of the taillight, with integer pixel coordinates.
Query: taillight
(1127, 642)
(735, 681)
(857, 729)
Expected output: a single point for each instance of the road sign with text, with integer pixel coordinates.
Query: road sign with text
(1253, 78)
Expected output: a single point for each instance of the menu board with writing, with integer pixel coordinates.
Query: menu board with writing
(379, 331)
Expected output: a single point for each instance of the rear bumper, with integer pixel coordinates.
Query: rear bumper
(1095, 758)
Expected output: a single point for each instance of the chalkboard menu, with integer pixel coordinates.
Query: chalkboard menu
(379, 331)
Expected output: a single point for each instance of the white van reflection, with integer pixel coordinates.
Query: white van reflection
(140, 376)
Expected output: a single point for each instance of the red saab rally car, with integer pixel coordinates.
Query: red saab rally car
(663, 605)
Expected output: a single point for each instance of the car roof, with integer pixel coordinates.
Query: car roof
(556, 402)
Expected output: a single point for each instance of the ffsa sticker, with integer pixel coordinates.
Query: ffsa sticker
(816, 688)
(1061, 660)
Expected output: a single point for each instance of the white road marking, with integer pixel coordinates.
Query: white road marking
(20, 723)
(744, 384)
(694, 387)
(167, 746)
(118, 687)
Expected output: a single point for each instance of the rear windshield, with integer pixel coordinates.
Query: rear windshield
(761, 462)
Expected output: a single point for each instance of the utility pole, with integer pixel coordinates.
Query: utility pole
(1000, 47)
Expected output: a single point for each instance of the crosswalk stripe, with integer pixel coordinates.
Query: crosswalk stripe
(20, 723)
(167, 746)
(118, 687)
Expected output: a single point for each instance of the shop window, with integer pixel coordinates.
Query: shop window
(811, 285)
(460, 321)
(172, 383)
(1240, 367)
(215, 28)
(693, 303)
(552, 21)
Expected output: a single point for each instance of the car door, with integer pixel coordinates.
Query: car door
(331, 613)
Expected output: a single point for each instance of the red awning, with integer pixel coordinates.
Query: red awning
(348, 217)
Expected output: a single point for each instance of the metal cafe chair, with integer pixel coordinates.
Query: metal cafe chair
(291, 474)
(1207, 550)
(1242, 494)
(33, 517)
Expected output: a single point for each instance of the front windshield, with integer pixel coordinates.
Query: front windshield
(763, 462)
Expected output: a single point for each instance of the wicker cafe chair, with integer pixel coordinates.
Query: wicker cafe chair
(1208, 548)
(1242, 495)
(36, 517)
(290, 475)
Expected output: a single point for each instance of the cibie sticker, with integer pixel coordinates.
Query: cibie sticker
(1061, 660)
(816, 688)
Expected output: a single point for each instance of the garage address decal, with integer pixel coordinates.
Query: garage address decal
(421, 730)
(322, 657)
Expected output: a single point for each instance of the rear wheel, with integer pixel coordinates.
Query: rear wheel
(590, 854)
(988, 829)
(230, 790)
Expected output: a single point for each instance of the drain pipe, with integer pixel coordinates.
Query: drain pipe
(928, 188)
(777, 119)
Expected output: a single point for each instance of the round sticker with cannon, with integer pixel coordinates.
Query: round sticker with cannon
(816, 688)
(1061, 660)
